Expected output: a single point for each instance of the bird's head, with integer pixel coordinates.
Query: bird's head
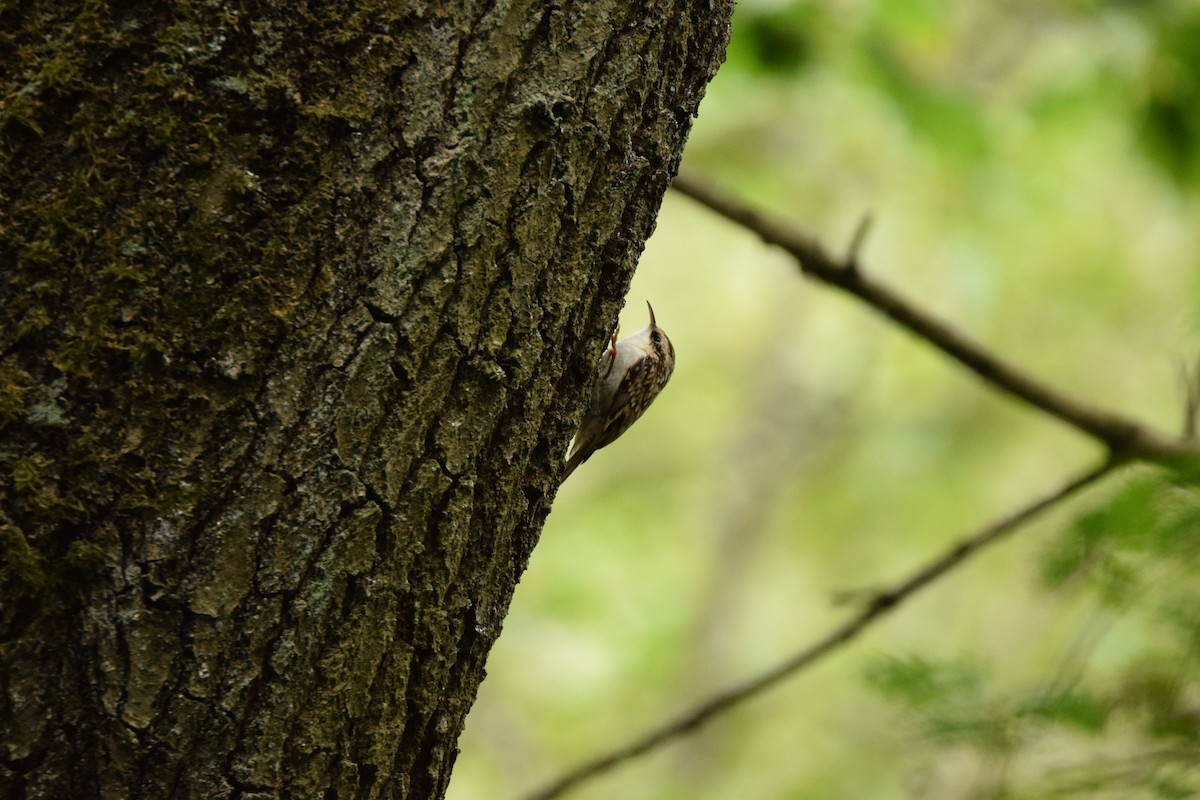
(652, 341)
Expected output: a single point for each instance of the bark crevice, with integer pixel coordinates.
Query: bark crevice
(300, 305)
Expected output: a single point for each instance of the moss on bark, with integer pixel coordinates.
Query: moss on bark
(298, 306)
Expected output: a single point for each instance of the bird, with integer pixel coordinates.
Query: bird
(630, 375)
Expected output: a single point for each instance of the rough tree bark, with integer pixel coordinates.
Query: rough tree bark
(297, 302)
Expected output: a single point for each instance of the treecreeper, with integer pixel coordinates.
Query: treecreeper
(631, 374)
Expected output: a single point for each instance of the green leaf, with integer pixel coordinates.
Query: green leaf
(1076, 708)
(915, 681)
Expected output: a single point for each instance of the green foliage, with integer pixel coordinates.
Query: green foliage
(938, 115)
(1121, 718)
(1074, 708)
(1170, 106)
(919, 683)
(947, 697)
(1122, 545)
(802, 448)
(774, 41)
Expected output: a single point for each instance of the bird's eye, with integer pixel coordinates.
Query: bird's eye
(656, 337)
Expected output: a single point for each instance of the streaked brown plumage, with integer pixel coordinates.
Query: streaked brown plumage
(630, 375)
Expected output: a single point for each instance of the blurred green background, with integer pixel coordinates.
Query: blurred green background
(1033, 169)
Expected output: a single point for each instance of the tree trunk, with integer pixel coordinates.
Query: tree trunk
(297, 307)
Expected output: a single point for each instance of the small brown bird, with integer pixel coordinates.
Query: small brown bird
(630, 375)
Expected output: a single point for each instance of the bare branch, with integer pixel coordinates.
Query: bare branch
(880, 605)
(1124, 438)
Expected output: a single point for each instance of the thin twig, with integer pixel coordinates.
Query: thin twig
(856, 242)
(880, 605)
(1124, 438)
(1189, 382)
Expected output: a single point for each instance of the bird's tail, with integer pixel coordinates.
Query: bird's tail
(577, 458)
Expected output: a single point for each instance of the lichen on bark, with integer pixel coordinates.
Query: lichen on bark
(299, 302)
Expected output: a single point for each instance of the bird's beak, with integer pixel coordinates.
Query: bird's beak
(652, 325)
